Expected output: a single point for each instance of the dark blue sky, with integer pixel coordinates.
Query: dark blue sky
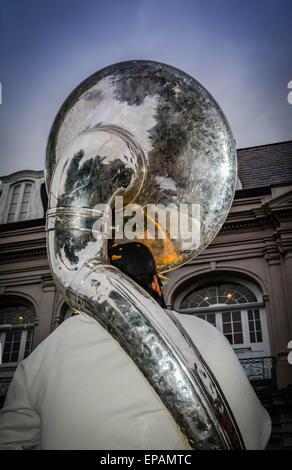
(241, 51)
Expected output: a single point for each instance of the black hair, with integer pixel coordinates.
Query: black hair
(145, 281)
(137, 262)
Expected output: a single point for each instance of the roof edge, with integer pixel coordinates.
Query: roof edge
(265, 145)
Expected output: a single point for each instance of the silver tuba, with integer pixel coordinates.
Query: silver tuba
(142, 132)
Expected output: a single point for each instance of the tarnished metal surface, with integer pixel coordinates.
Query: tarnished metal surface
(150, 133)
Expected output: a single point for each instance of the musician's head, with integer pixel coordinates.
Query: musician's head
(136, 261)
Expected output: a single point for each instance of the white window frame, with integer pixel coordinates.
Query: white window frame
(4, 329)
(20, 199)
(246, 349)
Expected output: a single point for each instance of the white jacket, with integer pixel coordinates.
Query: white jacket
(79, 390)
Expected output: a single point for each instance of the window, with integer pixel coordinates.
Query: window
(17, 318)
(210, 317)
(255, 330)
(219, 293)
(233, 309)
(13, 203)
(24, 208)
(20, 201)
(232, 327)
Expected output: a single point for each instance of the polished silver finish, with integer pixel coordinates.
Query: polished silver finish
(188, 151)
(152, 134)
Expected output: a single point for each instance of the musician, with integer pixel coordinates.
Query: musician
(135, 260)
(80, 390)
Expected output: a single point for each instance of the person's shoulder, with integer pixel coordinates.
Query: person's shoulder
(68, 326)
(195, 322)
(67, 332)
(201, 331)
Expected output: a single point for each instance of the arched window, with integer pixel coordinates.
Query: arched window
(17, 321)
(219, 293)
(235, 310)
(19, 202)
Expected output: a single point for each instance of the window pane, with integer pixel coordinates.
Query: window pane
(226, 317)
(250, 297)
(13, 203)
(255, 329)
(256, 314)
(238, 338)
(251, 325)
(5, 357)
(250, 314)
(25, 201)
(7, 347)
(28, 345)
(17, 334)
(229, 337)
(227, 328)
(252, 337)
(258, 325)
(27, 191)
(14, 357)
(211, 318)
(236, 316)
(259, 337)
(16, 346)
(9, 336)
(237, 327)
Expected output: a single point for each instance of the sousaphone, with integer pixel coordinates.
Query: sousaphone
(142, 133)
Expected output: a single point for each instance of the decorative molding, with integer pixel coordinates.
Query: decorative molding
(252, 192)
(282, 358)
(220, 308)
(212, 265)
(283, 199)
(23, 254)
(48, 284)
(241, 224)
(269, 215)
(18, 175)
(24, 225)
(272, 253)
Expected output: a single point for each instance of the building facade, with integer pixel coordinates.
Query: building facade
(242, 283)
